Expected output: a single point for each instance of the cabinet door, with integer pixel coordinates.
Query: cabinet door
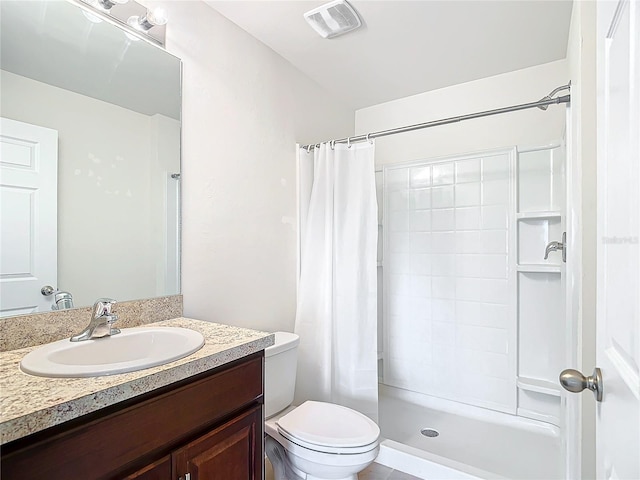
(232, 451)
(159, 470)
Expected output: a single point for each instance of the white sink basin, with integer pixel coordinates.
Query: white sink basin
(133, 349)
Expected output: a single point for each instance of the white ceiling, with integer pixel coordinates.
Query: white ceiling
(408, 47)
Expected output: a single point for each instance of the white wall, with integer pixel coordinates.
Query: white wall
(523, 128)
(107, 228)
(244, 108)
(581, 56)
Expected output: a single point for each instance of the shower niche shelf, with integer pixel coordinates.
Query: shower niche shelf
(538, 215)
(539, 386)
(533, 236)
(539, 268)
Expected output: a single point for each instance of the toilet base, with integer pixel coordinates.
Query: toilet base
(284, 469)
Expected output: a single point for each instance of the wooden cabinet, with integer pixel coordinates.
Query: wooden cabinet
(226, 453)
(158, 470)
(209, 426)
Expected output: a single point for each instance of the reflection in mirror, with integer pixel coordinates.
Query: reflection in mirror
(89, 160)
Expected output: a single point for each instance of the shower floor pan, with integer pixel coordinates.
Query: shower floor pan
(471, 442)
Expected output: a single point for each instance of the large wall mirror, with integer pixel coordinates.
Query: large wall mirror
(89, 160)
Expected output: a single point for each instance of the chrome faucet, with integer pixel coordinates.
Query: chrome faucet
(101, 322)
(552, 247)
(555, 246)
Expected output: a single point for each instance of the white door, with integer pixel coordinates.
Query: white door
(618, 317)
(28, 216)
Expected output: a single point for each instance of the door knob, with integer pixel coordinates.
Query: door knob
(574, 381)
(47, 290)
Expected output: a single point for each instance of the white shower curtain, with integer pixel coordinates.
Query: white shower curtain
(336, 314)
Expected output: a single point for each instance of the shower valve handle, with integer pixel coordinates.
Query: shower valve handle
(574, 381)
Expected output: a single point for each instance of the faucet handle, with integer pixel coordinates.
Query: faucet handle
(103, 306)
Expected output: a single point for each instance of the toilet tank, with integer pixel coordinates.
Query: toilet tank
(280, 364)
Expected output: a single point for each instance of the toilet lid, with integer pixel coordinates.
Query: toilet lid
(330, 425)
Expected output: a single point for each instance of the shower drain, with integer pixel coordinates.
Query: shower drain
(429, 432)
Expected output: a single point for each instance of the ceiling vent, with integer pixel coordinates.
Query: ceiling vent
(333, 19)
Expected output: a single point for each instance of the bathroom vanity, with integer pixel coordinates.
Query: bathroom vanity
(200, 417)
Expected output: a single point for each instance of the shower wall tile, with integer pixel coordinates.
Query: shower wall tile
(443, 287)
(485, 290)
(444, 264)
(421, 242)
(420, 199)
(482, 314)
(399, 200)
(398, 263)
(443, 242)
(482, 339)
(468, 218)
(481, 266)
(443, 197)
(399, 222)
(495, 217)
(443, 220)
(449, 292)
(493, 241)
(420, 177)
(400, 243)
(420, 220)
(494, 192)
(443, 174)
(443, 310)
(396, 180)
(495, 167)
(468, 171)
(485, 363)
(444, 333)
(400, 285)
(420, 264)
(420, 286)
(468, 242)
(467, 194)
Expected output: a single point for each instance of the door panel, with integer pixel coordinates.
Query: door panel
(28, 207)
(618, 318)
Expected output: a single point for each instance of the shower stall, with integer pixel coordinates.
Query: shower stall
(472, 324)
(475, 320)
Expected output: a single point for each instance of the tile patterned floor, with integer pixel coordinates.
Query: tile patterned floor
(374, 472)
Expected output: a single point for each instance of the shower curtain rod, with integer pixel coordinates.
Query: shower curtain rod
(542, 104)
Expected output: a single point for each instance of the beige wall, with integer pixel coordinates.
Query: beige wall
(244, 108)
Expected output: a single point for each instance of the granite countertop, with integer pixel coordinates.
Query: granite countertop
(29, 404)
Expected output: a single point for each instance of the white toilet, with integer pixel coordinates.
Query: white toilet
(317, 440)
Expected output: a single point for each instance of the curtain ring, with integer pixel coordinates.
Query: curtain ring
(348, 142)
(368, 139)
(332, 144)
(308, 149)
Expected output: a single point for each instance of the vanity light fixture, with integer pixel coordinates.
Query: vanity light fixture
(108, 4)
(137, 21)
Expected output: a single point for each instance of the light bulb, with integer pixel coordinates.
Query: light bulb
(149, 20)
(158, 16)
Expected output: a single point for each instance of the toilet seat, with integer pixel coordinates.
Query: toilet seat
(329, 428)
